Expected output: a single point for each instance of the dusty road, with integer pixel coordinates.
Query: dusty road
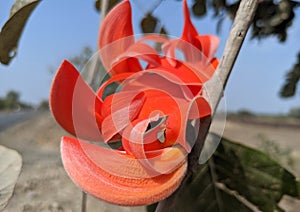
(12, 118)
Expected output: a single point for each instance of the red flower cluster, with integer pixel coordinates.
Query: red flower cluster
(157, 100)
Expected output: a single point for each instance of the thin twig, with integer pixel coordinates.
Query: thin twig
(215, 88)
(83, 201)
(214, 178)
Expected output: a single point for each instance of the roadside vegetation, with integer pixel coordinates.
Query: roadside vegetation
(12, 102)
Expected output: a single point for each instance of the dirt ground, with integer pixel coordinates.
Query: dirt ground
(43, 185)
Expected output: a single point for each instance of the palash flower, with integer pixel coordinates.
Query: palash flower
(149, 114)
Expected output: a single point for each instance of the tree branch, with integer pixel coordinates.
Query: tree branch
(215, 89)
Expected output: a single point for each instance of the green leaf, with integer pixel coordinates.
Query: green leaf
(152, 207)
(10, 168)
(236, 178)
(202, 194)
(292, 80)
(12, 29)
(254, 175)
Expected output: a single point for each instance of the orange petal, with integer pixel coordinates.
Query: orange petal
(74, 105)
(113, 41)
(189, 31)
(209, 45)
(119, 78)
(195, 47)
(189, 79)
(169, 49)
(121, 108)
(199, 108)
(119, 16)
(115, 188)
(141, 51)
(214, 62)
(153, 37)
(136, 140)
(129, 64)
(148, 80)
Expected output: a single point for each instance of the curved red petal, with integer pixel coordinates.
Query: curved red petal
(119, 16)
(74, 105)
(123, 191)
(189, 78)
(214, 62)
(129, 64)
(169, 49)
(199, 108)
(141, 51)
(148, 80)
(153, 37)
(113, 41)
(189, 31)
(136, 140)
(119, 78)
(209, 45)
(119, 110)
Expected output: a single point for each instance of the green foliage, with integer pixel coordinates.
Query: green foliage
(12, 102)
(280, 154)
(245, 113)
(271, 18)
(236, 178)
(12, 99)
(12, 29)
(44, 105)
(295, 112)
(292, 79)
(82, 58)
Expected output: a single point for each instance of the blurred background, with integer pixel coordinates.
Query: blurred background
(261, 97)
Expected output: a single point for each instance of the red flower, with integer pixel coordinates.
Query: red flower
(148, 115)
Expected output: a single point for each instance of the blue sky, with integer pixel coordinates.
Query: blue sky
(59, 29)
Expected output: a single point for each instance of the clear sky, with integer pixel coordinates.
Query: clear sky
(59, 29)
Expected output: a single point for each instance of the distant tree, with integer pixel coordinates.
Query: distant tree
(295, 112)
(12, 100)
(44, 105)
(82, 58)
(292, 79)
(2, 104)
(245, 113)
